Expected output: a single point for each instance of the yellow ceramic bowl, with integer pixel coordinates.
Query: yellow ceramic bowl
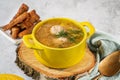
(10, 77)
(59, 57)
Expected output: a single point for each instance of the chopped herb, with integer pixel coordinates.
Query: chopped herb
(72, 39)
(71, 35)
(75, 31)
(62, 34)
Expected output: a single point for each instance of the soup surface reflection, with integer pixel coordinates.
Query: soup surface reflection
(59, 34)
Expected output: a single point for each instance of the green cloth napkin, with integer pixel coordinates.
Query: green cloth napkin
(101, 44)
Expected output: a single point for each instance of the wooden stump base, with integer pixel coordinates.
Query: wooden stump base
(32, 67)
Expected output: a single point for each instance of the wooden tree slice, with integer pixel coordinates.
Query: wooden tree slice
(27, 60)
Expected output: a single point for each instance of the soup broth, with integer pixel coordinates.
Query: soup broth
(59, 34)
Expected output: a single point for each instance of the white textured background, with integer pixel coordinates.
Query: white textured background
(103, 14)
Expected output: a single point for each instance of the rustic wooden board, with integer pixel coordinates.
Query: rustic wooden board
(26, 60)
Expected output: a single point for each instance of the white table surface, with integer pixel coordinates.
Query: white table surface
(103, 14)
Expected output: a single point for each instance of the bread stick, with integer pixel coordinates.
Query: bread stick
(19, 19)
(30, 20)
(26, 23)
(23, 8)
(34, 16)
(26, 31)
(15, 31)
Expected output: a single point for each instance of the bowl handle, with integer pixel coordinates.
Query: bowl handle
(90, 27)
(28, 41)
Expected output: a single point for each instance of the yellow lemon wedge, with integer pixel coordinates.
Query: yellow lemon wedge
(10, 77)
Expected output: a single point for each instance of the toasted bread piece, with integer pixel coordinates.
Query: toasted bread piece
(19, 19)
(14, 32)
(34, 16)
(23, 8)
(26, 31)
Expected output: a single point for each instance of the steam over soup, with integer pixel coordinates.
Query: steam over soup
(59, 34)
